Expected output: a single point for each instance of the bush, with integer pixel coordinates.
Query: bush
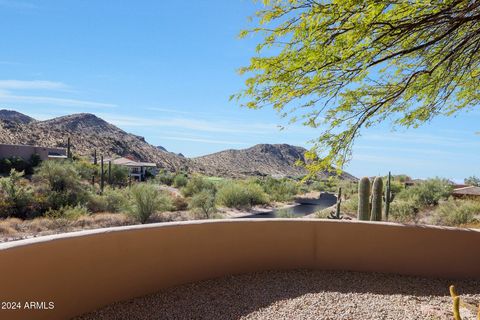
(456, 212)
(112, 200)
(203, 201)
(145, 200)
(241, 195)
(165, 177)
(198, 184)
(180, 180)
(61, 184)
(85, 169)
(118, 175)
(350, 206)
(179, 203)
(404, 211)
(427, 193)
(279, 189)
(68, 212)
(15, 196)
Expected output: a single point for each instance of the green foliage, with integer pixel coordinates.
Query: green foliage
(180, 180)
(377, 195)
(350, 206)
(118, 175)
(19, 164)
(404, 211)
(456, 212)
(15, 195)
(279, 189)
(203, 201)
(145, 200)
(61, 184)
(472, 181)
(347, 65)
(165, 177)
(197, 184)
(427, 193)
(364, 199)
(239, 194)
(112, 200)
(68, 212)
(85, 169)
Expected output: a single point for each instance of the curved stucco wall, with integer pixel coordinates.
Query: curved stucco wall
(82, 271)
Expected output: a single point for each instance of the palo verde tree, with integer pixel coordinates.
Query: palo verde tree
(345, 65)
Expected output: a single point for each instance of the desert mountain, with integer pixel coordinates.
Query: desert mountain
(14, 116)
(259, 160)
(88, 133)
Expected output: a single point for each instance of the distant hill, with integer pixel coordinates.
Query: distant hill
(14, 116)
(260, 160)
(88, 133)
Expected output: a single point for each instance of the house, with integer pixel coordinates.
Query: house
(471, 192)
(136, 169)
(26, 152)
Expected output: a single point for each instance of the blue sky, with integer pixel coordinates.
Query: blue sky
(165, 70)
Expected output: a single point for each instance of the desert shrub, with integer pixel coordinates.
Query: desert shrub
(61, 184)
(427, 193)
(19, 164)
(279, 189)
(68, 212)
(118, 175)
(404, 211)
(179, 203)
(237, 194)
(112, 200)
(180, 180)
(350, 206)
(197, 184)
(456, 212)
(146, 199)
(15, 196)
(165, 177)
(328, 185)
(58, 175)
(204, 202)
(85, 169)
(472, 181)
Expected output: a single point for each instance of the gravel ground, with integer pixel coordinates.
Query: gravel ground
(302, 295)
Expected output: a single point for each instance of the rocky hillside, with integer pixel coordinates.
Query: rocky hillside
(87, 133)
(260, 160)
(14, 116)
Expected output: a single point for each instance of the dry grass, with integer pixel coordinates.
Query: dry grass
(15, 229)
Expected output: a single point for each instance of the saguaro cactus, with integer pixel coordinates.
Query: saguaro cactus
(388, 196)
(377, 194)
(102, 175)
(69, 153)
(364, 199)
(337, 214)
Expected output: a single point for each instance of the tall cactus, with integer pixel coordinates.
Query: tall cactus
(377, 194)
(364, 199)
(388, 196)
(69, 153)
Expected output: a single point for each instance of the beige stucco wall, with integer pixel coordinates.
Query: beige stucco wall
(82, 271)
